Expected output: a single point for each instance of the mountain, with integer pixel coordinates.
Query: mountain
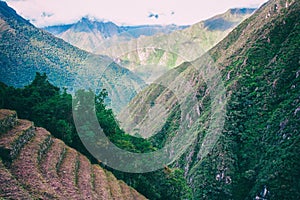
(35, 165)
(26, 50)
(233, 115)
(88, 33)
(157, 54)
(150, 50)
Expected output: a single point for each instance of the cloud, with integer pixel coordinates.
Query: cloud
(45, 14)
(51, 12)
(152, 15)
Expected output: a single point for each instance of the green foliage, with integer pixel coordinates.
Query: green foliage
(167, 184)
(50, 108)
(260, 144)
(44, 104)
(261, 132)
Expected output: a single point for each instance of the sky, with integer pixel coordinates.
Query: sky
(125, 12)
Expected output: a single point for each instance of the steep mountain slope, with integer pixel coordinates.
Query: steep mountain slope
(26, 50)
(88, 33)
(255, 156)
(157, 54)
(34, 165)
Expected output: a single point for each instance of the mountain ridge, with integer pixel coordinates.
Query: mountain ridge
(88, 33)
(102, 25)
(150, 51)
(223, 21)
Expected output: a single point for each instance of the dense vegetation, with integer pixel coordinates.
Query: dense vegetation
(51, 108)
(257, 154)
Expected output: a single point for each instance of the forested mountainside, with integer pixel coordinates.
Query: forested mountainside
(256, 154)
(251, 79)
(26, 50)
(35, 165)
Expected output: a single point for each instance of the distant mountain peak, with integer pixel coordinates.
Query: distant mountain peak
(99, 29)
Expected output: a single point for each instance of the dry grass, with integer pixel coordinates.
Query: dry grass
(85, 178)
(6, 140)
(10, 187)
(48, 167)
(26, 168)
(115, 189)
(126, 191)
(101, 185)
(4, 114)
(67, 174)
(45, 168)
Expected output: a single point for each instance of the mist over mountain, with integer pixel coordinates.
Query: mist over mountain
(109, 29)
(227, 20)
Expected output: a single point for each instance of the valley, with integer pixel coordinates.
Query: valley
(203, 111)
(150, 51)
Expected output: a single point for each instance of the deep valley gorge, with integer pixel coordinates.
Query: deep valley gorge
(98, 110)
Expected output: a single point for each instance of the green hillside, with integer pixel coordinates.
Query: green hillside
(26, 50)
(256, 153)
(230, 118)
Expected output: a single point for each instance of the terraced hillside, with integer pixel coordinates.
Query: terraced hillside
(34, 165)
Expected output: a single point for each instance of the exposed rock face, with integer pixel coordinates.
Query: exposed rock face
(34, 165)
